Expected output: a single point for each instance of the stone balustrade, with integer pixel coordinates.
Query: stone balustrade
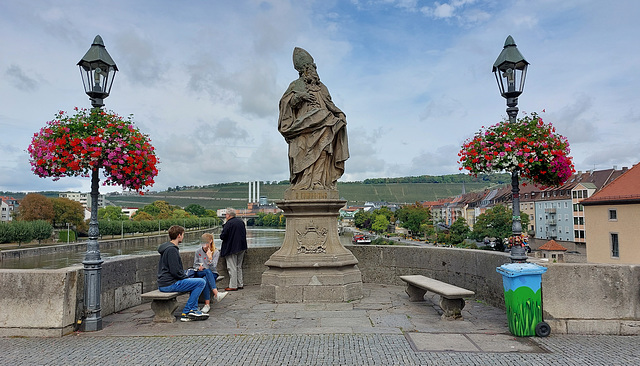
(577, 298)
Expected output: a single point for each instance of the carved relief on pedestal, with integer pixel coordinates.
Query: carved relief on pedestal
(312, 240)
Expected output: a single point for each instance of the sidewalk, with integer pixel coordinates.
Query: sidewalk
(383, 328)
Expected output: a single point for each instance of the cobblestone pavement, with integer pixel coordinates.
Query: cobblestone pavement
(383, 328)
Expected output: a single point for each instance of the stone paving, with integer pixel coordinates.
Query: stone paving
(383, 328)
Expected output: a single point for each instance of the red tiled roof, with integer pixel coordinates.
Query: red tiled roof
(552, 245)
(624, 189)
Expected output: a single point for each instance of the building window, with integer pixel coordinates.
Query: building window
(584, 193)
(613, 214)
(615, 246)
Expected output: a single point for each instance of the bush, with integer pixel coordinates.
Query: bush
(6, 232)
(23, 231)
(62, 236)
(42, 230)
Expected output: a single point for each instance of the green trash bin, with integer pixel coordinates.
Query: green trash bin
(523, 298)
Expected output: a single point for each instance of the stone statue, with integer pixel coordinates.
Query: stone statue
(314, 128)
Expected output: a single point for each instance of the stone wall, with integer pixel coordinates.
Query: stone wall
(577, 298)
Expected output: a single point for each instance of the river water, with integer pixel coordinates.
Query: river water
(256, 237)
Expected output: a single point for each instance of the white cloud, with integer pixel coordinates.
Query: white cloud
(204, 79)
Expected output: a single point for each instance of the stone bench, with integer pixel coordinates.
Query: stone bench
(164, 304)
(451, 297)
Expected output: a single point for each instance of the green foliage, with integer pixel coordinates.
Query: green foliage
(161, 210)
(68, 211)
(398, 190)
(113, 213)
(62, 236)
(450, 178)
(414, 217)
(459, 231)
(196, 209)
(6, 232)
(384, 241)
(496, 223)
(380, 223)
(269, 220)
(124, 227)
(362, 219)
(42, 230)
(23, 231)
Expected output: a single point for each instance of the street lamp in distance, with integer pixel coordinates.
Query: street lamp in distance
(98, 70)
(510, 70)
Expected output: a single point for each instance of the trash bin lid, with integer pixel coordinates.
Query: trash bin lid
(520, 269)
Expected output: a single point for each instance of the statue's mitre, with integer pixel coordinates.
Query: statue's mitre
(301, 58)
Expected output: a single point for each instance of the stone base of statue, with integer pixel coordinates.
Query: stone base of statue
(312, 265)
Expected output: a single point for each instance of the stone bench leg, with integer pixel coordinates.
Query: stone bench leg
(415, 293)
(164, 310)
(452, 308)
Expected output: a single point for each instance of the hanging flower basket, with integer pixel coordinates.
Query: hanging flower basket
(529, 146)
(93, 139)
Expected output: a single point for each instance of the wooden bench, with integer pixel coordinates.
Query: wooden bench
(451, 297)
(164, 304)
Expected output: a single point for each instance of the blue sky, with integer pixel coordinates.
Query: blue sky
(203, 79)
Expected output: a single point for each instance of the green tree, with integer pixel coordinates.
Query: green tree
(385, 211)
(380, 224)
(413, 217)
(68, 211)
(6, 232)
(42, 230)
(179, 214)
(496, 223)
(362, 219)
(112, 213)
(142, 216)
(459, 231)
(35, 206)
(196, 209)
(23, 231)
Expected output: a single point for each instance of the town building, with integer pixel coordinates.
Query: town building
(8, 205)
(552, 251)
(611, 218)
(83, 198)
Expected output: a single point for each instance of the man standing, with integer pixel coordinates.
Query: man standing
(171, 276)
(234, 245)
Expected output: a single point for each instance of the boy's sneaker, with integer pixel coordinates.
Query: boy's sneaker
(221, 296)
(205, 309)
(197, 315)
(185, 318)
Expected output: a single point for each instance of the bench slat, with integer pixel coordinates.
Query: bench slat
(159, 295)
(444, 289)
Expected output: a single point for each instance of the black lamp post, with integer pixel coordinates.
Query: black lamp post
(510, 70)
(98, 71)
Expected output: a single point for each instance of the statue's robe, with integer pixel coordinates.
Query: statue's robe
(316, 134)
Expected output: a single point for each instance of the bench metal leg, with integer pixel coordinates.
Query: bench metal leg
(452, 308)
(164, 310)
(415, 293)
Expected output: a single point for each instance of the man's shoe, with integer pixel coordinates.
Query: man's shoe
(197, 315)
(221, 296)
(185, 318)
(240, 287)
(230, 289)
(205, 309)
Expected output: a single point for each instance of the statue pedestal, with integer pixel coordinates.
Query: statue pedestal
(312, 265)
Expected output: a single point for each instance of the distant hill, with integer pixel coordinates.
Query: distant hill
(392, 190)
